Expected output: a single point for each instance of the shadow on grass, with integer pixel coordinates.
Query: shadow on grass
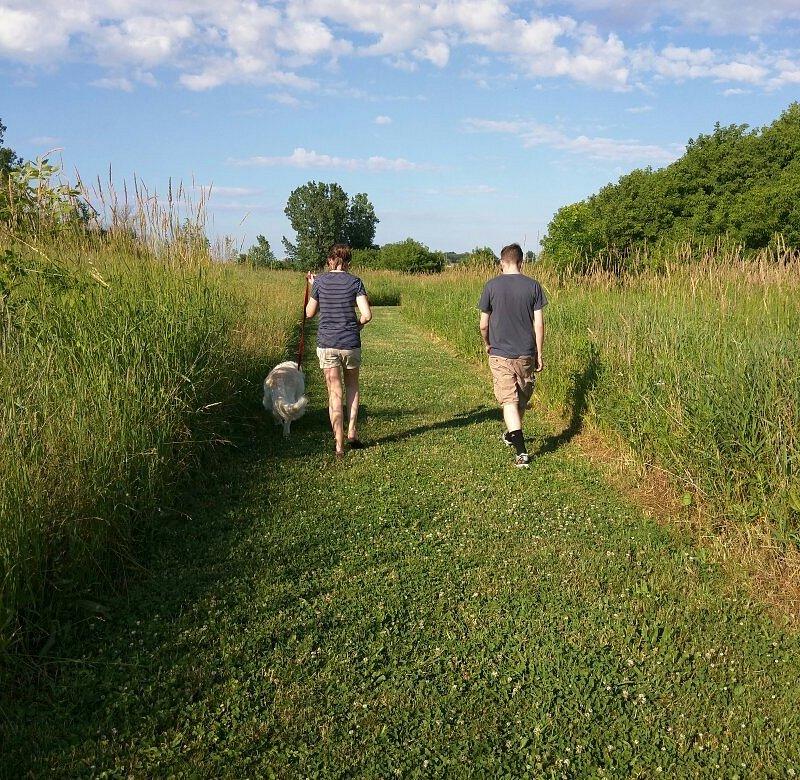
(583, 382)
(474, 416)
(152, 635)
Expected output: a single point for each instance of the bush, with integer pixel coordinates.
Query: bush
(410, 256)
(366, 258)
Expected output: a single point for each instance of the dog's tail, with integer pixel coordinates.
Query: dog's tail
(293, 411)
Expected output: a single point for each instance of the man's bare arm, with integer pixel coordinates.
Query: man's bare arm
(538, 331)
(484, 326)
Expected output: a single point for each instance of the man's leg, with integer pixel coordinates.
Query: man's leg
(351, 388)
(513, 420)
(333, 380)
(513, 413)
(512, 416)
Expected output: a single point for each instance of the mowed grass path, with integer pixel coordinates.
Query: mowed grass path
(422, 609)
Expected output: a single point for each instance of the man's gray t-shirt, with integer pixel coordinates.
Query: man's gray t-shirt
(511, 300)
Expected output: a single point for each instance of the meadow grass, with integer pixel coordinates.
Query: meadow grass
(116, 366)
(697, 370)
(422, 609)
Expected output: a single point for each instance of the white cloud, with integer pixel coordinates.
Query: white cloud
(382, 120)
(639, 109)
(286, 99)
(679, 63)
(210, 43)
(788, 73)
(472, 189)
(715, 16)
(533, 134)
(44, 140)
(305, 158)
(229, 192)
(238, 206)
(113, 82)
(25, 37)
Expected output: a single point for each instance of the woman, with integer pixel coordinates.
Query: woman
(336, 295)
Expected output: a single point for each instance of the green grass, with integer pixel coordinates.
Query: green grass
(697, 371)
(421, 610)
(112, 369)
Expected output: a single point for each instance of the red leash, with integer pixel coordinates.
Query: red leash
(302, 347)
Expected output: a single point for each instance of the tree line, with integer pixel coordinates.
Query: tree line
(739, 183)
(322, 214)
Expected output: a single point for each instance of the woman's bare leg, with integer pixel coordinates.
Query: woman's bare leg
(351, 388)
(334, 382)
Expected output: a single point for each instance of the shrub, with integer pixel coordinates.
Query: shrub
(411, 256)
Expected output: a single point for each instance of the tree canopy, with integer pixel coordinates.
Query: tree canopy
(260, 255)
(409, 256)
(735, 182)
(8, 158)
(322, 214)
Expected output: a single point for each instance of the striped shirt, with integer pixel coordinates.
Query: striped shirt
(336, 293)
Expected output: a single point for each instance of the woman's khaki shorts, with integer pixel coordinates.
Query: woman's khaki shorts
(333, 358)
(513, 379)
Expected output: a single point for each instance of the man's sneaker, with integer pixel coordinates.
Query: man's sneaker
(522, 461)
(504, 438)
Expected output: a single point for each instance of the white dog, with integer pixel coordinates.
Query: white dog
(284, 394)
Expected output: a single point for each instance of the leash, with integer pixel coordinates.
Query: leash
(302, 348)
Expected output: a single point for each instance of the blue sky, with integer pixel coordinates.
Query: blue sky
(467, 122)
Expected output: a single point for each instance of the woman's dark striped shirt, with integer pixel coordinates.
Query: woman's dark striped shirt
(336, 292)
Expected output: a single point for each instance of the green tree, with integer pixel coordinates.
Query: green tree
(321, 215)
(8, 157)
(570, 238)
(411, 256)
(735, 183)
(367, 258)
(260, 255)
(530, 256)
(481, 256)
(361, 222)
(318, 213)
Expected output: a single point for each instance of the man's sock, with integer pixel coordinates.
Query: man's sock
(518, 440)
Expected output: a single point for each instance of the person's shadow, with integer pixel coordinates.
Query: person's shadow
(481, 414)
(583, 382)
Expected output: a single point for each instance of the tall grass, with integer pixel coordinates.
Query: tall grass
(116, 362)
(698, 370)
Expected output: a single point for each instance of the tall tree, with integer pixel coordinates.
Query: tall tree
(318, 214)
(260, 255)
(8, 158)
(361, 222)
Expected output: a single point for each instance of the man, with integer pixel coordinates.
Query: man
(336, 295)
(512, 328)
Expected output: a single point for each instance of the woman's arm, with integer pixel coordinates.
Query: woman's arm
(364, 310)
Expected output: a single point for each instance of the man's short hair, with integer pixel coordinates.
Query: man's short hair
(339, 255)
(511, 254)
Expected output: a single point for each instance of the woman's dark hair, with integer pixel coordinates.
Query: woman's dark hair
(339, 255)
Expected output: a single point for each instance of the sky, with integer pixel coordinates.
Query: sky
(467, 122)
